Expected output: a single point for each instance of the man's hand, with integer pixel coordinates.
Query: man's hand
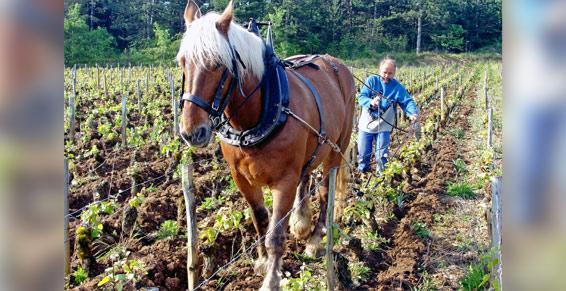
(375, 101)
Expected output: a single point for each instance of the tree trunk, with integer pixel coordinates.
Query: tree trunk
(373, 20)
(419, 29)
(91, 15)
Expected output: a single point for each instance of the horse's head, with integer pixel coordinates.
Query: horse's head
(215, 56)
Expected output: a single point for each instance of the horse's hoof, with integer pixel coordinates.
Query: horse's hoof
(300, 223)
(300, 228)
(271, 284)
(260, 266)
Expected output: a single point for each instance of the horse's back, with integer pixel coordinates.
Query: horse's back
(335, 85)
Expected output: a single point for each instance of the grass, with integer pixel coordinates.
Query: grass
(462, 189)
(479, 273)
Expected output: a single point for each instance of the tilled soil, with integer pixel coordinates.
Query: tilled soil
(397, 266)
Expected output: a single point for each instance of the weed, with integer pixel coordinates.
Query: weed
(421, 230)
(267, 197)
(211, 203)
(457, 133)
(80, 275)
(123, 273)
(305, 281)
(372, 241)
(136, 200)
(231, 186)
(476, 278)
(460, 166)
(168, 228)
(360, 272)
(462, 190)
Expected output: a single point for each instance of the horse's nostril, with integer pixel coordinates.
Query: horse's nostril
(201, 133)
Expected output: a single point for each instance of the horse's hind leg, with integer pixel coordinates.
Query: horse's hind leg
(275, 240)
(260, 216)
(313, 244)
(300, 223)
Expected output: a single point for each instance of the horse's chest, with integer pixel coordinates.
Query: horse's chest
(253, 171)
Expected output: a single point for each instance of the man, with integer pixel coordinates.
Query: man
(379, 101)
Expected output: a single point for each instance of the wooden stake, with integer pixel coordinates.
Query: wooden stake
(490, 128)
(124, 120)
(496, 224)
(66, 212)
(97, 77)
(138, 93)
(105, 84)
(173, 104)
(330, 275)
(72, 105)
(192, 244)
(485, 88)
(442, 106)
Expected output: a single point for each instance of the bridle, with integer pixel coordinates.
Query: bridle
(216, 109)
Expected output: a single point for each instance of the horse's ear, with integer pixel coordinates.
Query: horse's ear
(223, 23)
(192, 12)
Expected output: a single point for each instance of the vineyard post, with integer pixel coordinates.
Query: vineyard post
(110, 72)
(173, 104)
(121, 72)
(485, 90)
(129, 73)
(192, 247)
(72, 105)
(97, 77)
(490, 128)
(496, 223)
(105, 84)
(138, 93)
(442, 106)
(330, 275)
(66, 212)
(124, 121)
(147, 80)
(436, 82)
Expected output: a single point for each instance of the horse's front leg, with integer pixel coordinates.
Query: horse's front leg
(283, 197)
(260, 216)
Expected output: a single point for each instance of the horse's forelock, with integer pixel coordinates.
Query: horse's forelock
(203, 44)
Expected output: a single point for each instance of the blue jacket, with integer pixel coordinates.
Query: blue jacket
(394, 92)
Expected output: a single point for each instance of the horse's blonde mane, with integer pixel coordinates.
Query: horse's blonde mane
(203, 44)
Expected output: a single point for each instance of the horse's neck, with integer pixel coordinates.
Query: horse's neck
(245, 115)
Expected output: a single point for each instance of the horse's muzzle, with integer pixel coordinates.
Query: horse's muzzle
(199, 137)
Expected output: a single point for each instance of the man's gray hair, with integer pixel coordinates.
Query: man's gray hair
(388, 59)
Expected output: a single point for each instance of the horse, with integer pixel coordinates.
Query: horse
(223, 66)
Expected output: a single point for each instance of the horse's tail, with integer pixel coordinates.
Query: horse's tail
(342, 179)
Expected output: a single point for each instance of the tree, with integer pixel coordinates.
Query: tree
(83, 45)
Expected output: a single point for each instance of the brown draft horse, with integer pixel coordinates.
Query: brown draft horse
(207, 49)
